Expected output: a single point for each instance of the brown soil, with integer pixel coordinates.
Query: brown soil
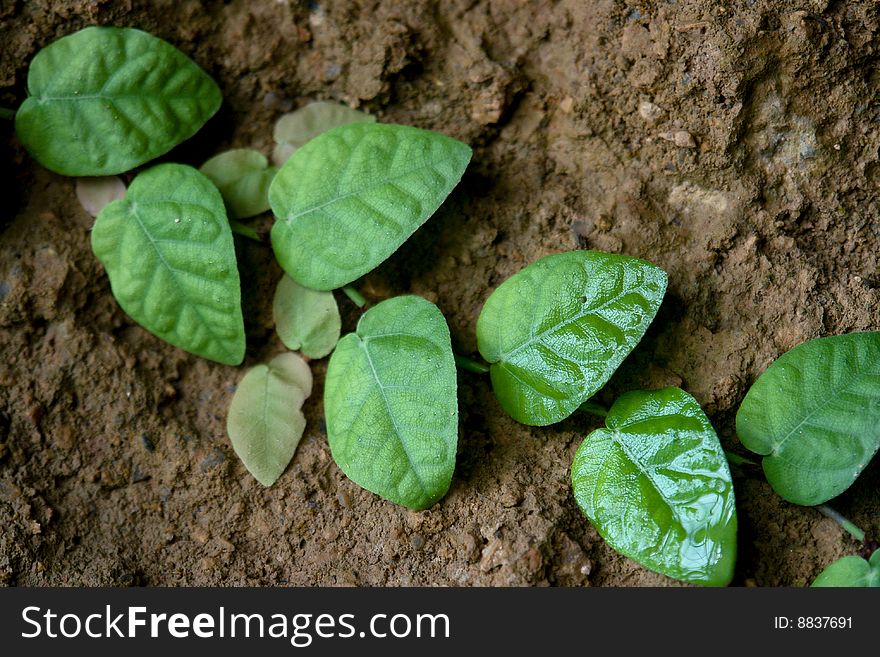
(735, 144)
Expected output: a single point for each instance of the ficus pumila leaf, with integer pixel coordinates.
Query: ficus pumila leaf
(851, 571)
(656, 485)
(167, 248)
(243, 177)
(265, 420)
(350, 197)
(390, 402)
(306, 320)
(556, 331)
(295, 128)
(107, 99)
(814, 415)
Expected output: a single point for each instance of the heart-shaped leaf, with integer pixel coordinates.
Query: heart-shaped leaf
(167, 248)
(306, 319)
(851, 572)
(815, 416)
(296, 128)
(243, 177)
(556, 331)
(107, 99)
(390, 402)
(265, 420)
(657, 487)
(351, 196)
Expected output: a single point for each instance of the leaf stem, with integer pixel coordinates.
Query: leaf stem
(356, 297)
(735, 459)
(6, 113)
(593, 408)
(471, 365)
(846, 524)
(245, 231)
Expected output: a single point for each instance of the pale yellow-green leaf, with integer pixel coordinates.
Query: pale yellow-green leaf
(296, 128)
(265, 420)
(243, 177)
(306, 320)
(95, 193)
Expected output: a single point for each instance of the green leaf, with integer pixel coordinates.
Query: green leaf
(390, 402)
(243, 176)
(656, 486)
(556, 331)
(815, 416)
(265, 420)
(107, 99)
(167, 248)
(305, 319)
(350, 197)
(851, 572)
(296, 128)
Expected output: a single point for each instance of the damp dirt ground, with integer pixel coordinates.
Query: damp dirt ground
(735, 144)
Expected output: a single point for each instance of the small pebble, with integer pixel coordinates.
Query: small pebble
(650, 112)
(681, 138)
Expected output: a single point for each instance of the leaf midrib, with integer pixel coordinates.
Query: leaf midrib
(835, 393)
(534, 338)
(391, 415)
(617, 437)
(362, 190)
(133, 208)
(41, 99)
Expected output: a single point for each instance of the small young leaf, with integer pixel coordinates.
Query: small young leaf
(265, 420)
(350, 197)
(390, 402)
(851, 572)
(95, 193)
(243, 176)
(556, 331)
(815, 416)
(656, 486)
(107, 99)
(296, 128)
(306, 319)
(167, 248)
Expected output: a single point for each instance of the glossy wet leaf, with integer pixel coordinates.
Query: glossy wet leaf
(243, 177)
(556, 331)
(167, 248)
(107, 99)
(656, 485)
(296, 128)
(851, 572)
(265, 420)
(350, 197)
(815, 416)
(95, 193)
(390, 403)
(306, 320)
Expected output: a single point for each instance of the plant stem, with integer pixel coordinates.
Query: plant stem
(593, 408)
(356, 297)
(736, 459)
(846, 524)
(245, 231)
(6, 113)
(470, 364)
